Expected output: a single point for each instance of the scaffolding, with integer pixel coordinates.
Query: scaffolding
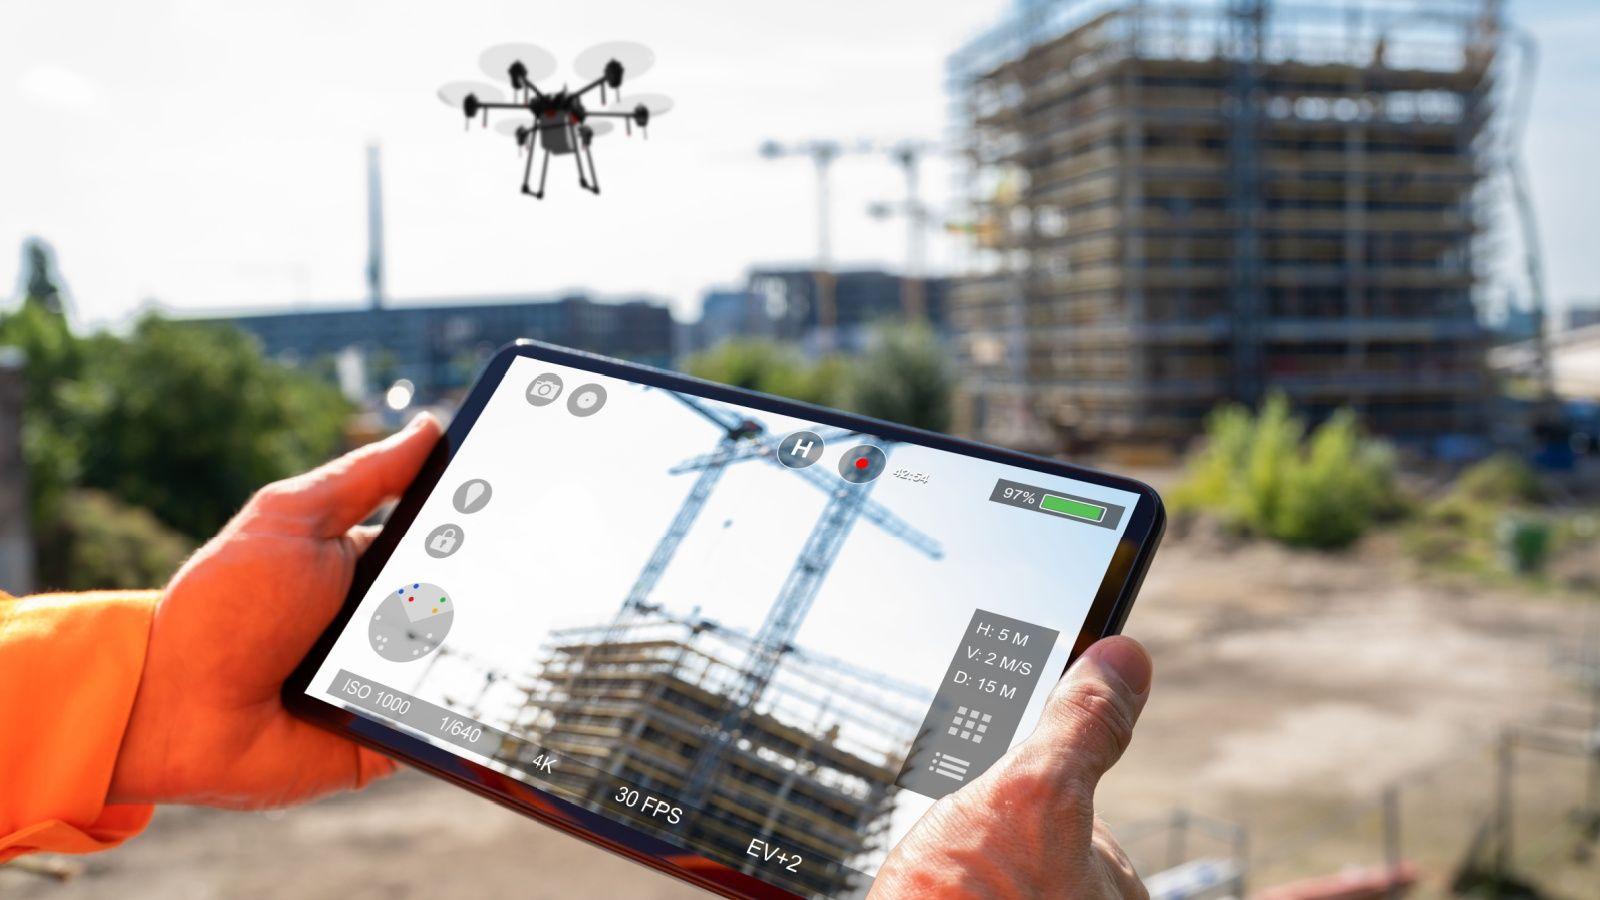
(813, 769)
(1180, 204)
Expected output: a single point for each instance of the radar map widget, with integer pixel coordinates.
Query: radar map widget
(411, 622)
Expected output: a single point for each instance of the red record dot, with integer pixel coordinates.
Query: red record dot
(861, 463)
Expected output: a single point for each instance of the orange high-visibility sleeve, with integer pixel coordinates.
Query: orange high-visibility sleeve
(69, 668)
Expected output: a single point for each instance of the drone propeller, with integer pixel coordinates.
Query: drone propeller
(455, 93)
(499, 61)
(656, 104)
(612, 61)
(599, 127)
(522, 131)
(466, 95)
(641, 109)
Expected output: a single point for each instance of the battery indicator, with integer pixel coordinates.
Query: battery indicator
(1058, 503)
(1077, 509)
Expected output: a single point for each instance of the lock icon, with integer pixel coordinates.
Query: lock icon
(443, 541)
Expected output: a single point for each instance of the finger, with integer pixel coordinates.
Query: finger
(342, 493)
(359, 538)
(371, 766)
(1089, 718)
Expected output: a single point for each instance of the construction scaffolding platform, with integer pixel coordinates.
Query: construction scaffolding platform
(1180, 204)
(813, 767)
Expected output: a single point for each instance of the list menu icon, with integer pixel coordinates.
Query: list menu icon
(951, 767)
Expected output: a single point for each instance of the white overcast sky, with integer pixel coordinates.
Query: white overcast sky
(210, 155)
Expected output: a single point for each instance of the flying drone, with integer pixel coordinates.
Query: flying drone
(561, 123)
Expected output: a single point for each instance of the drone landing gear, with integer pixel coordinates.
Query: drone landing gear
(527, 174)
(593, 175)
(580, 149)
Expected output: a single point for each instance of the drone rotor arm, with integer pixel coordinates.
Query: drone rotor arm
(590, 86)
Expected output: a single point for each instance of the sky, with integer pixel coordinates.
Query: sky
(211, 156)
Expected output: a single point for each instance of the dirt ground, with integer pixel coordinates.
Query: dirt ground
(1291, 688)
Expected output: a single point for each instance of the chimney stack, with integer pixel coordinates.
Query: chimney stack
(374, 229)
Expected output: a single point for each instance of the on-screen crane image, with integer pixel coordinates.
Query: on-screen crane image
(607, 694)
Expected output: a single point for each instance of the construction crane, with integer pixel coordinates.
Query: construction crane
(907, 154)
(822, 154)
(846, 504)
(744, 438)
(741, 438)
(778, 630)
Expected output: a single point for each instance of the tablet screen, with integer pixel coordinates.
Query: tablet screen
(770, 641)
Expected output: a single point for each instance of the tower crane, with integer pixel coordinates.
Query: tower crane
(741, 438)
(846, 504)
(744, 438)
(822, 153)
(907, 154)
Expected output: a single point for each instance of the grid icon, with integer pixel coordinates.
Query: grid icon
(970, 724)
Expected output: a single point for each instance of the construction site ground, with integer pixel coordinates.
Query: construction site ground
(1291, 688)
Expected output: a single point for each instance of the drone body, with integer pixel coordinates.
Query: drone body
(559, 123)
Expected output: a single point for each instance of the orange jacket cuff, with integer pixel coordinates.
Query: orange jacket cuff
(69, 668)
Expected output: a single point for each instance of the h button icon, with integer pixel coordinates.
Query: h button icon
(800, 449)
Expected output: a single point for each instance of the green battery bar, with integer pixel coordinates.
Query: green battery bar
(1077, 509)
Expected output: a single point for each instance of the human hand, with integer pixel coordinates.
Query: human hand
(1027, 827)
(207, 725)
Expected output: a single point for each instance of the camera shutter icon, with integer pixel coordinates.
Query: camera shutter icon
(544, 390)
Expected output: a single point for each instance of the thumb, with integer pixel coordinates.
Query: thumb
(1088, 720)
(339, 495)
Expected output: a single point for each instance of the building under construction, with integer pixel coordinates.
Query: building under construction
(745, 737)
(1178, 204)
(813, 769)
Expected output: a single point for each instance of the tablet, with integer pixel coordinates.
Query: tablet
(742, 640)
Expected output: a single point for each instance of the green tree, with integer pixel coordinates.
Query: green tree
(99, 543)
(1262, 474)
(136, 447)
(772, 368)
(53, 361)
(904, 377)
(187, 420)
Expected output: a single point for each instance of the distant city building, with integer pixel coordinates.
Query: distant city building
(727, 314)
(1516, 324)
(1180, 205)
(1582, 317)
(793, 305)
(440, 346)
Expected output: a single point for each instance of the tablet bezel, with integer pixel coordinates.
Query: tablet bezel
(1112, 602)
